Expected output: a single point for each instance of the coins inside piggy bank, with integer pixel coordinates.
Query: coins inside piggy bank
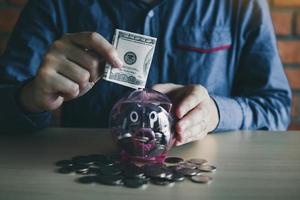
(143, 126)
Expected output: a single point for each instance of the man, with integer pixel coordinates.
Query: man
(217, 60)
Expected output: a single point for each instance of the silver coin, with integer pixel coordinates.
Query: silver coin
(207, 168)
(104, 162)
(201, 178)
(110, 179)
(177, 177)
(197, 161)
(84, 160)
(133, 171)
(174, 160)
(94, 170)
(64, 163)
(134, 182)
(83, 172)
(66, 170)
(110, 170)
(87, 179)
(81, 167)
(155, 171)
(175, 168)
(188, 165)
(162, 182)
(189, 172)
(169, 173)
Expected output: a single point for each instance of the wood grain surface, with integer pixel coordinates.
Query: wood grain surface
(250, 165)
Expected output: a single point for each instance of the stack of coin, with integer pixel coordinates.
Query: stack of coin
(109, 170)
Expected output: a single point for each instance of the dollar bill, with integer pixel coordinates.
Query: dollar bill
(136, 52)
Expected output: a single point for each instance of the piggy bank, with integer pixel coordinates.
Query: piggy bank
(142, 125)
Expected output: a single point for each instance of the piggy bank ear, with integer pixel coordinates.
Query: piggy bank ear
(153, 118)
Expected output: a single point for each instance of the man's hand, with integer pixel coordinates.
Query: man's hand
(196, 111)
(70, 68)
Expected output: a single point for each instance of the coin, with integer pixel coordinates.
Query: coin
(66, 170)
(81, 167)
(158, 150)
(110, 170)
(168, 173)
(201, 179)
(174, 160)
(94, 170)
(104, 162)
(177, 177)
(110, 179)
(207, 168)
(189, 172)
(175, 167)
(87, 179)
(155, 171)
(197, 161)
(64, 163)
(162, 182)
(133, 171)
(115, 158)
(83, 172)
(134, 182)
(86, 160)
(188, 165)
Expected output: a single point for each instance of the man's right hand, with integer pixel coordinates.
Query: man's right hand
(70, 68)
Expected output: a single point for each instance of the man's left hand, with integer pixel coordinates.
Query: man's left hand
(196, 111)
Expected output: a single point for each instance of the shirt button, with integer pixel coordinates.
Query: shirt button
(150, 14)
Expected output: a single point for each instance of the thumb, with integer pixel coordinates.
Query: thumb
(89, 86)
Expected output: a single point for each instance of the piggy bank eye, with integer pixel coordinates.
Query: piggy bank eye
(134, 117)
(153, 116)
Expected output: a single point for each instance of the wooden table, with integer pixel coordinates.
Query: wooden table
(251, 165)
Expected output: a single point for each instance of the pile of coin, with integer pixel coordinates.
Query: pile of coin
(109, 170)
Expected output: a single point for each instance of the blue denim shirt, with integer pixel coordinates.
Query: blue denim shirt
(227, 46)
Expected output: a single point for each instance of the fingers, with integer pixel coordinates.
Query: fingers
(86, 59)
(187, 96)
(195, 94)
(69, 70)
(199, 113)
(74, 72)
(64, 50)
(67, 88)
(194, 133)
(94, 41)
(193, 109)
(53, 82)
(89, 86)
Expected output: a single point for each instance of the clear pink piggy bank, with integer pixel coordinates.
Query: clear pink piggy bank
(143, 126)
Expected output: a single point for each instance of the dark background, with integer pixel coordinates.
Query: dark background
(286, 17)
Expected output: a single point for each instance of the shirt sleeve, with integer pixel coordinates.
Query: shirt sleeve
(261, 95)
(32, 35)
